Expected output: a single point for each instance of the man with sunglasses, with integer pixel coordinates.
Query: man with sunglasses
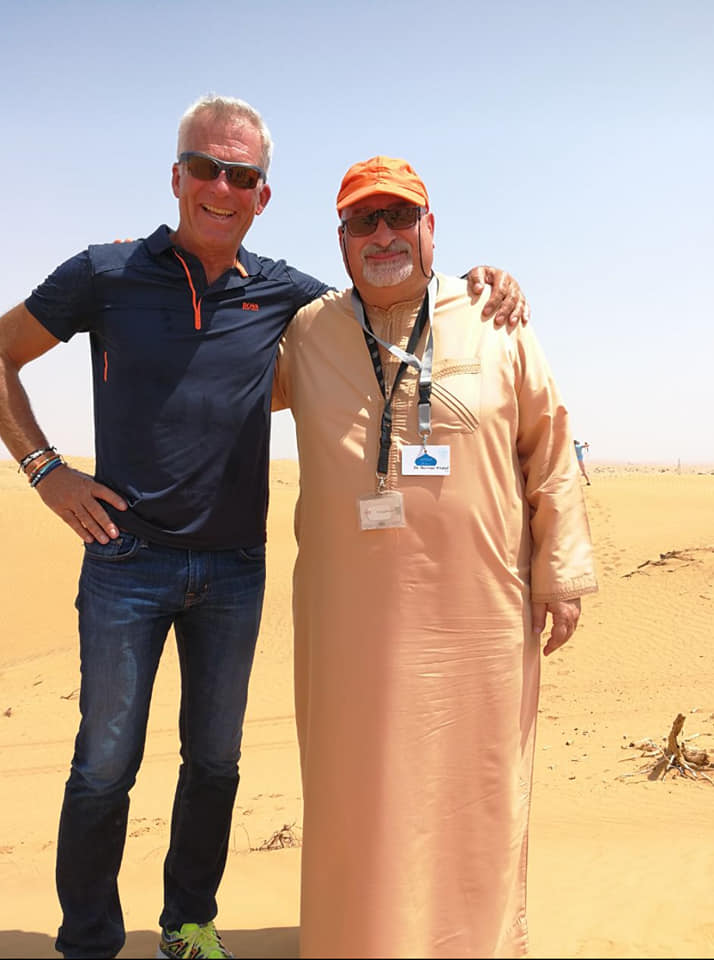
(439, 520)
(184, 328)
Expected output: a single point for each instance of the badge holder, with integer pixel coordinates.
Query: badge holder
(381, 510)
(418, 459)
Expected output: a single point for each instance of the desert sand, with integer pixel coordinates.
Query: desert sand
(620, 866)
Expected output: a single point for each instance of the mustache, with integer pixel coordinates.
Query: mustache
(394, 246)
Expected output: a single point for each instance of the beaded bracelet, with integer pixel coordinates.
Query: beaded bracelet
(38, 464)
(45, 469)
(33, 456)
(41, 466)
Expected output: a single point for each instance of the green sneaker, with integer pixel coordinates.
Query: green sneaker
(192, 942)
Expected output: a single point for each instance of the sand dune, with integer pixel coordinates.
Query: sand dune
(619, 867)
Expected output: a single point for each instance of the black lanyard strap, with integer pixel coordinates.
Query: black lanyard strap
(408, 359)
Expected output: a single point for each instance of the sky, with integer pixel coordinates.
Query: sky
(566, 141)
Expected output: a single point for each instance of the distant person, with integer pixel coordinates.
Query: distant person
(439, 520)
(580, 449)
(184, 329)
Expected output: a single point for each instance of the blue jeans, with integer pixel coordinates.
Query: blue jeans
(130, 594)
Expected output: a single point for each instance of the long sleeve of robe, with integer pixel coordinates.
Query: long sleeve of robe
(416, 669)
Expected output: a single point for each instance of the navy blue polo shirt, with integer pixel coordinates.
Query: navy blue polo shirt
(182, 377)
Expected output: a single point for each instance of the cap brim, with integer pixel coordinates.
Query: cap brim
(376, 189)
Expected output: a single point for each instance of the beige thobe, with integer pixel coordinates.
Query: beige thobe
(416, 671)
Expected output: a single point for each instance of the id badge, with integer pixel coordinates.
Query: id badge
(378, 511)
(433, 461)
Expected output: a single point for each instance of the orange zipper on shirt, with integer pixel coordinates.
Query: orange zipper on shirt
(196, 301)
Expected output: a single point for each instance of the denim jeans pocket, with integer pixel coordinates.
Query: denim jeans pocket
(252, 554)
(124, 547)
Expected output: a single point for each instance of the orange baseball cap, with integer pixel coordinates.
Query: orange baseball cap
(390, 175)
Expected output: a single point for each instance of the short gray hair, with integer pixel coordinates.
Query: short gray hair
(226, 108)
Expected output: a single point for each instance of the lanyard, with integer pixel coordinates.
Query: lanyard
(408, 359)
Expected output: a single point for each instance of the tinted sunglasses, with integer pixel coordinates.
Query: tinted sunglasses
(203, 166)
(396, 218)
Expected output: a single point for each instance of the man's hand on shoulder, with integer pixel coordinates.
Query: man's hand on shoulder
(506, 304)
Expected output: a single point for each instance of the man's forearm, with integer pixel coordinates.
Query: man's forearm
(19, 429)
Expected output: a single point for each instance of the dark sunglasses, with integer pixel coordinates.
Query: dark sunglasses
(396, 218)
(203, 166)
